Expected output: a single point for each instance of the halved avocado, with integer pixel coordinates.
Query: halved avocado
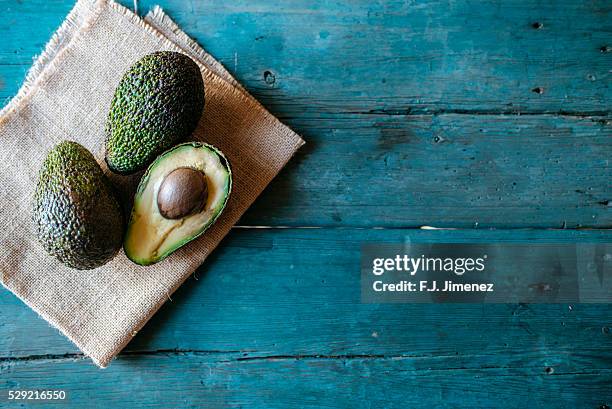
(188, 206)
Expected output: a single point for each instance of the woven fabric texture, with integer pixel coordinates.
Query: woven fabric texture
(66, 96)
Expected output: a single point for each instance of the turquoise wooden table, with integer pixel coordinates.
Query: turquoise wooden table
(490, 118)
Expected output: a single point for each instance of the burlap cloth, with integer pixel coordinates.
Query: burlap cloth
(66, 95)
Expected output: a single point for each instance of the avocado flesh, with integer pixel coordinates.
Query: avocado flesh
(157, 103)
(151, 237)
(76, 214)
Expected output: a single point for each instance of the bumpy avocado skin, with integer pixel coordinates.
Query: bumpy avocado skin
(157, 103)
(77, 217)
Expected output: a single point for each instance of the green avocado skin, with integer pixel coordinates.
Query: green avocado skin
(76, 214)
(157, 103)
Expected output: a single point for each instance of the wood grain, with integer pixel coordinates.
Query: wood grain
(225, 381)
(445, 113)
(296, 292)
(382, 56)
(445, 171)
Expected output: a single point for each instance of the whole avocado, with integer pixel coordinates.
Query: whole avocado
(76, 214)
(157, 103)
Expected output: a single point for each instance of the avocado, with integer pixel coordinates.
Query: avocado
(76, 214)
(180, 195)
(157, 103)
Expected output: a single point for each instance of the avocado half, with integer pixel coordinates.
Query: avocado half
(150, 236)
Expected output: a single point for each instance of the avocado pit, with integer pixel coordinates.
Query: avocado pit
(183, 192)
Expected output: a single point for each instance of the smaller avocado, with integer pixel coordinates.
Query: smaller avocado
(181, 195)
(76, 214)
(183, 192)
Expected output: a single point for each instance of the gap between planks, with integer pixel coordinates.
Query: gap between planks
(7, 362)
(424, 227)
(601, 115)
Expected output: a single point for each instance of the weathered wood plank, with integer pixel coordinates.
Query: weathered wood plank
(307, 56)
(400, 56)
(445, 170)
(216, 381)
(296, 292)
